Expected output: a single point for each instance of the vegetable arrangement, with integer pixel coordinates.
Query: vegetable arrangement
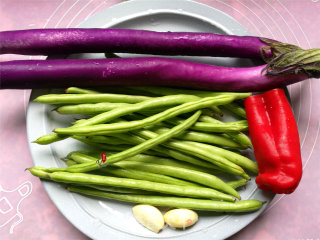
(164, 146)
(162, 161)
(286, 64)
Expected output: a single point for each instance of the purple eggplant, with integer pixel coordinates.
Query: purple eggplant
(153, 71)
(68, 41)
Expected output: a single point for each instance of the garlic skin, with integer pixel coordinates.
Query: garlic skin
(180, 218)
(148, 216)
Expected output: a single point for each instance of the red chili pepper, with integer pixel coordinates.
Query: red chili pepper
(275, 139)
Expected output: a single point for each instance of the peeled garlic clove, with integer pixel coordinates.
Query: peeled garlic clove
(149, 216)
(181, 218)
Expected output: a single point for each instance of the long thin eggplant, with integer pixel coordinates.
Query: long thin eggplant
(97, 40)
(142, 71)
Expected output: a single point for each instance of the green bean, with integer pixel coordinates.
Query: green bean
(172, 91)
(169, 162)
(133, 90)
(106, 147)
(130, 108)
(101, 129)
(89, 98)
(88, 108)
(205, 138)
(82, 178)
(231, 156)
(105, 139)
(155, 153)
(218, 127)
(177, 202)
(138, 148)
(50, 138)
(80, 90)
(144, 175)
(40, 172)
(182, 173)
(83, 156)
(70, 162)
(118, 189)
(168, 152)
(239, 137)
(181, 156)
(218, 160)
(121, 138)
(130, 173)
(54, 137)
(236, 109)
(237, 183)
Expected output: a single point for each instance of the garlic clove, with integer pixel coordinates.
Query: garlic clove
(149, 216)
(180, 218)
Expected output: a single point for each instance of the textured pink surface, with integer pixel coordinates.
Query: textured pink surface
(294, 216)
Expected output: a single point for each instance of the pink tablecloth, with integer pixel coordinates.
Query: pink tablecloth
(294, 216)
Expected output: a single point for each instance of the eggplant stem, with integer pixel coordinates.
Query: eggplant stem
(288, 59)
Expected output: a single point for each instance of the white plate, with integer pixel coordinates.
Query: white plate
(107, 219)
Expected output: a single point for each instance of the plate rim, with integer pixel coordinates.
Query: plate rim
(68, 208)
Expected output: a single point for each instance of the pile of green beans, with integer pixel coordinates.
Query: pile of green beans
(164, 146)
